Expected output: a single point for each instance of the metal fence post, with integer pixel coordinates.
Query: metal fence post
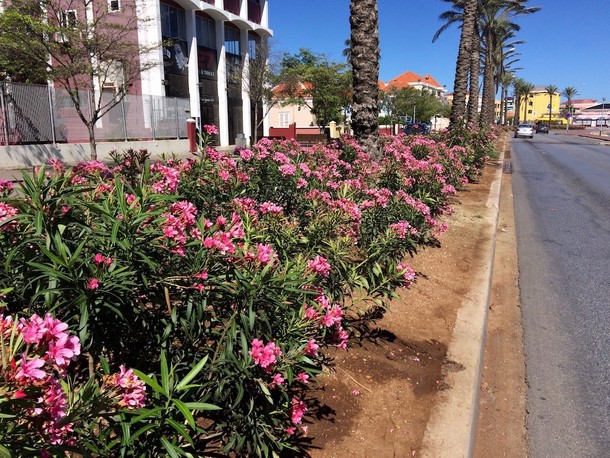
(152, 117)
(51, 117)
(177, 120)
(124, 117)
(4, 114)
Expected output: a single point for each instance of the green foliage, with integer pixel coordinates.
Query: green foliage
(311, 76)
(221, 280)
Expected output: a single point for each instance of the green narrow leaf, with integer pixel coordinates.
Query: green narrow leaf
(192, 374)
(165, 375)
(201, 406)
(171, 449)
(186, 413)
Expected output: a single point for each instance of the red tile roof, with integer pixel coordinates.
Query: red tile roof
(408, 79)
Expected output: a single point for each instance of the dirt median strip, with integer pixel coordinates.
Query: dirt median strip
(451, 430)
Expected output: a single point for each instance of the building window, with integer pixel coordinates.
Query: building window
(114, 6)
(173, 22)
(254, 43)
(232, 40)
(206, 32)
(284, 118)
(68, 19)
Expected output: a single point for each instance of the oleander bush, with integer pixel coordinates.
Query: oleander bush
(221, 280)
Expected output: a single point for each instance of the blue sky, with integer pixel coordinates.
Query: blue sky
(567, 42)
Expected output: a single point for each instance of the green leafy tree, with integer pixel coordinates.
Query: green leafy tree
(328, 85)
(83, 48)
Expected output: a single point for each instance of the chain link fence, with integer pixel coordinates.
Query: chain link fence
(45, 114)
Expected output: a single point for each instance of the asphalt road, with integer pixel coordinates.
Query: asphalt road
(561, 187)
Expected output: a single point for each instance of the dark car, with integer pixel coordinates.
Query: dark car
(416, 128)
(542, 128)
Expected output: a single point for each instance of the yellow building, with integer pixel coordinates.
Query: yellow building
(536, 107)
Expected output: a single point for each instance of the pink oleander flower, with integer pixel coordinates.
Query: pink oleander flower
(287, 169)
(310, 313)
(93, 283)
(332, 316)
(131, 389)
(6, 212)
(54, 328)
(264, 355)
(101, 260)
(297, 410)
(265, 253)
(210, 129)
(270, 207)
(407, 271)
(319, 265)
(341, 337)
(29, 371)
(303, 377)
(277, 380)
(311, 349)
(5, 186)
(301, 183)
(63, 350)
(32, 329)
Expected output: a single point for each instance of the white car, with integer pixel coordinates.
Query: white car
(524, 130)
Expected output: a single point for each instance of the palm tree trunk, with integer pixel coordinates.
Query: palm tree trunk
(489, 96)
(462, 68)
(364, 57)
(475, 71)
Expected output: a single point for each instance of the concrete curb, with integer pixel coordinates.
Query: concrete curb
(451, 431)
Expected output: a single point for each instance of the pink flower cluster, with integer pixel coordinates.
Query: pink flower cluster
(408, 273)
(7, 212)
(319, 265)
(128, 391)
(179, 222)
(35, 375)
(5, 186)
(169, 180)
(264, 355)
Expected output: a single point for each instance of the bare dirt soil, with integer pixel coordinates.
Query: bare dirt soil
(377, 399)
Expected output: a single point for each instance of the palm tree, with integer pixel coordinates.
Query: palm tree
(468, 45)
(526, 90)
(551, 90)
(497, 27)
(569, 93)
(506, 79)
(347, 52)
(364, 58)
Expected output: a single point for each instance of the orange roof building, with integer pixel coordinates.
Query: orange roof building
(412, 79)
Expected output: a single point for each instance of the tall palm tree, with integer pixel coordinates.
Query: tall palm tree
(551, 90)
(506, 79)
(492, 27)
(569, 93)
(497, 26)
(525, 91)
(364, 58)
(468, 45)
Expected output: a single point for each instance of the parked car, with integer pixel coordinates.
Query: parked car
(542, 128)
(524, 130)
(417, 128)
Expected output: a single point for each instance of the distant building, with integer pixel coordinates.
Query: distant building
(411, 79)
(536, 107)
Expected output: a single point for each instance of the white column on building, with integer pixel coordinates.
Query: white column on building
(223, 110)
(245, 96)
(193, 65)
(149, 34)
